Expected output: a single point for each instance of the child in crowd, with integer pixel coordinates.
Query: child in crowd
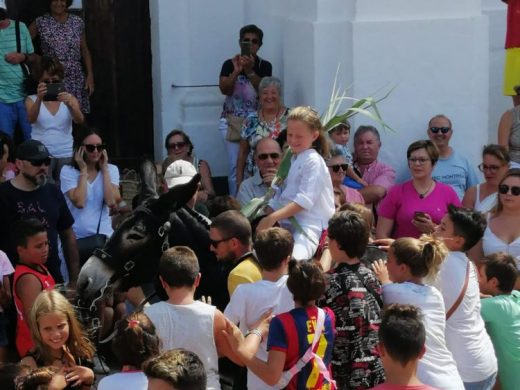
(134, 343)
(410, 262)
(183, 322)
(30, 275)
(354, 294)
(501, 313)
(466, 337)
(273, 248)
(6, 269)
(300, 341)
(43, 378)
(177, 369)
(59, 340)
(340, 135)
(401, 345)
(307, 193)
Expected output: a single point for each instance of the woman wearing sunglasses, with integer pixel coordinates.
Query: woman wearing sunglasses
(495, 163)
(179, 147)
(502, 233)
(51, 115)
(338, 166)
(418, 205)
(90, 185)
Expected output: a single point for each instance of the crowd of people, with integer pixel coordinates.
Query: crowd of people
(349, 280)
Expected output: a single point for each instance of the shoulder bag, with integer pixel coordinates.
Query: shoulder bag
(87, 245)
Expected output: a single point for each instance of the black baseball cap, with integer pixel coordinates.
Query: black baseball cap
(32, 150)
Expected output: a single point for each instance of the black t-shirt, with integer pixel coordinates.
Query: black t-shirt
(47, 204)
(261, 67)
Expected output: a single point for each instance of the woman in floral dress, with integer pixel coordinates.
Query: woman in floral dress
(269, 121)
(62, 36)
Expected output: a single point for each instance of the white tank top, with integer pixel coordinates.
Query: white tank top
(54, 131)
(493, 244)
(487, 203)
(189, 327)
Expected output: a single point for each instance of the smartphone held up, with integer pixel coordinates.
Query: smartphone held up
(52, 91)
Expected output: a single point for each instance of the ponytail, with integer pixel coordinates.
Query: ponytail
(433, 254)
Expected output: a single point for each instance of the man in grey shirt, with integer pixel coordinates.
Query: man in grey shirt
(268, 156)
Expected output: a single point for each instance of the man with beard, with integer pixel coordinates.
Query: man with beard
(29, 195)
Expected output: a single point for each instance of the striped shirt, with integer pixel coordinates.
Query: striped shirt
(11, 76)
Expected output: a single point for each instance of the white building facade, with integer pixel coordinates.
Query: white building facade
(443, 56)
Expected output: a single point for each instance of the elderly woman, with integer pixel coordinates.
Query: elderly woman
(62, 35)
(509, 134)
(269, 121)
(338, 166)
(415, 206)
(51, 117)
(179, 147)
(495, 163)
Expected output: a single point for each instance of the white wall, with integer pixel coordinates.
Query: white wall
(443, 56)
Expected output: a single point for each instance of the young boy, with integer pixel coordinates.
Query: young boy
(6, 269)
(30, 275)
(183, 322)
(466, 337)
(401, 345)
(501, 313)
(354, 294)
(339, 136)
(250, 301)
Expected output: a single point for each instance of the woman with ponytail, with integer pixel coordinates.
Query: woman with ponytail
(412, 262)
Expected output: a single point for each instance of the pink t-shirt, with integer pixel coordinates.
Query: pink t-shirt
(352, 195)
(402, 201)
(387, 386)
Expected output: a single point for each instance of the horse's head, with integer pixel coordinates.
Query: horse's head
(131, 255)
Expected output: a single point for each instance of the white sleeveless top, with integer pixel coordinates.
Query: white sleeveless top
(54, 131)
(492, 244)
(189, 327)
(487, 203)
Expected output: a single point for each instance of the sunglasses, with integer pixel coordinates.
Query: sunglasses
(492, 168)
(443, 130)
(91, 148)
(253, 41)
(265, 156)
(39, 163)
(337, 167)
(504, 189)
(176, 145)
(214, 243)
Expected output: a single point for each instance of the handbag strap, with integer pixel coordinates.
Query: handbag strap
(19, 46)
(100, 214)
(461, 295)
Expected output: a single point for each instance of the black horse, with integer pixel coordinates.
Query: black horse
(131, 255)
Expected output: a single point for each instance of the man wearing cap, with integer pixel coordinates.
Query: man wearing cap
(268, 156)
(29, 195)
(452, 168)
(12, 94)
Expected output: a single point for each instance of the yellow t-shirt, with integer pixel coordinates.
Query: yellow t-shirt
(248, 271)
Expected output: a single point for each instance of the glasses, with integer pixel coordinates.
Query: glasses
(254, 41)
(214, 243)
(504, 189)
(443, 130)
(265, 156)
(337, 167)
(492, 168)
(91, 148)
(176, 145)
(51, 81)
(420, 161)
(39, 163)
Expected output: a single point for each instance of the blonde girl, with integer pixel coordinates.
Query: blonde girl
(307, 193)
(60, 340)
(410, 263)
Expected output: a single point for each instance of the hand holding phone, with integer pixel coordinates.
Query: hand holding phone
(420, 215)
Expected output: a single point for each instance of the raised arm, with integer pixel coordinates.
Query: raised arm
(504, 129)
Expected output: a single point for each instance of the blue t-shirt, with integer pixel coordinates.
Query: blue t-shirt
(457, 172)
(292, 333)
(11, 76)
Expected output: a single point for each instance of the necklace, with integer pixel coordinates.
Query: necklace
(422, 194)
(272, 122)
